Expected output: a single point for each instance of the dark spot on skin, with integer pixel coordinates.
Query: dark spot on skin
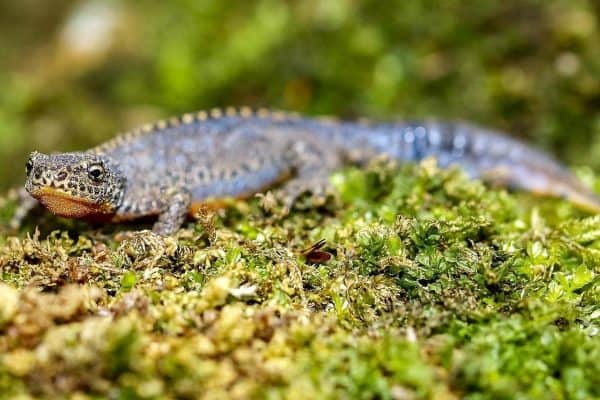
(564, 195)
(245, 167)
(61, 176)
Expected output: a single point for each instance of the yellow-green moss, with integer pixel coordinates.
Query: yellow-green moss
(437, 287)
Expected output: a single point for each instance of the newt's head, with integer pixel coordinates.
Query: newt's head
(75, 185)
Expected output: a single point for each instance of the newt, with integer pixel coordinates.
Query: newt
(170, 167)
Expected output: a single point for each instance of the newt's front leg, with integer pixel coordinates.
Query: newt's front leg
(25, 203)
(175, 204)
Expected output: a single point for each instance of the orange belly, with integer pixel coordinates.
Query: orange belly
(211, 205)
(66, 205)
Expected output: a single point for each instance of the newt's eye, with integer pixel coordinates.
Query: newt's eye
(96, 172)
(29, 166)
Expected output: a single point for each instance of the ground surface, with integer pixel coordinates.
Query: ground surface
(429, 286)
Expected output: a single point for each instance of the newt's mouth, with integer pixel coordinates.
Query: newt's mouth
(66, 205)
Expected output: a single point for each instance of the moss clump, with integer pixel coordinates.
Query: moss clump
(435, 287)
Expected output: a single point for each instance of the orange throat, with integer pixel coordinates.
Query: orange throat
(69, 206)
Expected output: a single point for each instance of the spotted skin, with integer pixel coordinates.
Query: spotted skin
(169, 168)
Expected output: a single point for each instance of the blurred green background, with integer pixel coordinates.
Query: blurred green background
(73, 73)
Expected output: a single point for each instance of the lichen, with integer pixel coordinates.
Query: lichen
(435, 286)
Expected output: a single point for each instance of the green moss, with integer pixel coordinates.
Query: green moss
(437, 287)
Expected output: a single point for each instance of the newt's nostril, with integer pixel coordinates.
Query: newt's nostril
(29, 166)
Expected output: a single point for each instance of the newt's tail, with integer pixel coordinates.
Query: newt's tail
(587, 202)
(554, 182)
(482, 153)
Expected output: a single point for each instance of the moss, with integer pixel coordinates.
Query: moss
(435, 287)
